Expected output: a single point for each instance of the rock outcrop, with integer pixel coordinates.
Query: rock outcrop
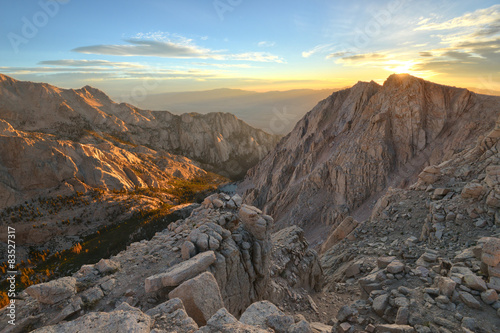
(354, 144)
(233, 260)
(425, 260)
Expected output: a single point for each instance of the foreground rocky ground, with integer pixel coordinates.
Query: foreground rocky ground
(200, 272)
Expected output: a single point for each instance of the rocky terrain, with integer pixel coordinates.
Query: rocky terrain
(197, 275)
(353, 145)
(74, 165)
(410, 241)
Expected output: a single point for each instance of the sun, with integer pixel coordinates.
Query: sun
(407, 67)
(400, 67)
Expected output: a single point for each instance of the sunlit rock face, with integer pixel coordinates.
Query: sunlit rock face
(219, 142)
(359, 141)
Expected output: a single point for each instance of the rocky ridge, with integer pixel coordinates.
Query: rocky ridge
(219, 142)
(201, 273)
(424, 261)
(352, 146)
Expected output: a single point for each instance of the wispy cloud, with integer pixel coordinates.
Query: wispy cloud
(471, 44)
(172, 46)
(116, 73)
(89, 63)
(369, 56)
(322, 48)
(484, 16)
(223, 65)
(266, 44)
(337, 55)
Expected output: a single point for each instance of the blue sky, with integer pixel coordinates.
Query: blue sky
(152, 46)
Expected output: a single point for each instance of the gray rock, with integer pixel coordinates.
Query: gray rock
(345, 312)
(180, 272)
(469, 300)
(73, 307)
(92, 295)
(300, 327)
(201, 297)
(402, 316)
(279, 323)
(474, 282)
(106, 266)
(395, 267)
(118, 321)
(257, 313)
(53, 291)
(380, 303)
(223, 322)
(188, 250)
(166, 307)
(469, 323)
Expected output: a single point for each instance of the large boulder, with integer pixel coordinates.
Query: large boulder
(129, 320)
(54, 291)
(180, 272)
(224, 322)
(201, 297)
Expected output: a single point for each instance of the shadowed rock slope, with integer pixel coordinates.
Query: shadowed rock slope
(346, 151)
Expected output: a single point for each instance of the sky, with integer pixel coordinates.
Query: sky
(131, 49)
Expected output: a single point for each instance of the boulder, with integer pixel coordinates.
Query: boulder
(118, 321)
(469, 300)
(224, 322)
(254, 222)
(180, 272)
(106, 266)
(446, 286)
(380, 303)
(472, 190)
(491, 252)
(383, 262)
(257, 313)
(396, 267)
(53, 291)
(201, 297)
(474, 282)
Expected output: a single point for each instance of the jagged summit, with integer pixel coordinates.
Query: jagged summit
(356, 143)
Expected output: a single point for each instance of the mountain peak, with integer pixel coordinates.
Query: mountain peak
(401, 79)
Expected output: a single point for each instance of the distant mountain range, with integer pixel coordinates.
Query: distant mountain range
(275, 112)
(74, 139)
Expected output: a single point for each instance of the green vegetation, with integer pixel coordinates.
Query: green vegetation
(34, 209)
(185, 190)
(115, 138)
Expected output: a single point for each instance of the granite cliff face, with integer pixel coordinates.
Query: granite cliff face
(358, 142)
(36, 165)
(219, 142)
